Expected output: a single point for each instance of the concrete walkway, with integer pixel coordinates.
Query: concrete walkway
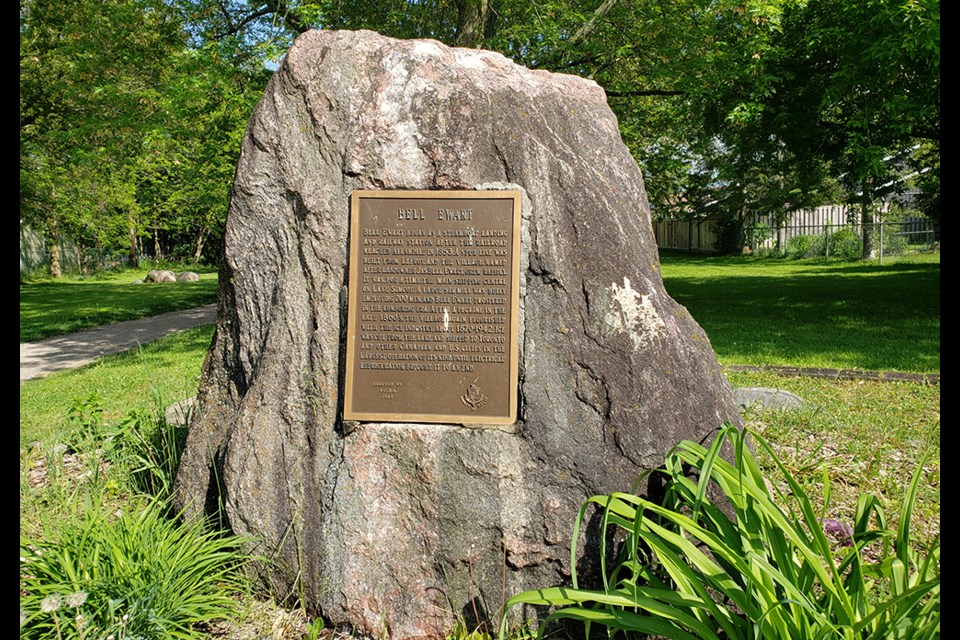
(77, 349)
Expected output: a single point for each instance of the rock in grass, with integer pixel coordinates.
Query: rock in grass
(188, 276)
(398, 529)
(767, 398)
(160, 275)
(179, 413)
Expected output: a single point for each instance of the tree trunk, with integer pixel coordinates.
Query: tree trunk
(53, 243)
(157, 253)
(866, 227)
(134, 255)
(201, 239)
(82, 256)
(472, 16)
(584, 31)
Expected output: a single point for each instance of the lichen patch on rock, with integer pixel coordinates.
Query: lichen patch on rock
(634, 314)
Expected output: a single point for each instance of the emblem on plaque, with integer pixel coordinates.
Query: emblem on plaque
(473, 397)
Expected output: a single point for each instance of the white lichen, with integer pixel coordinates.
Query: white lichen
(634, 314)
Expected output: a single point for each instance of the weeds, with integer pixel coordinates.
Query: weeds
(150, 447)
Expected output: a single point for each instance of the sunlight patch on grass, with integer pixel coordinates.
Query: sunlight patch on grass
(168, 370)
(52, 307)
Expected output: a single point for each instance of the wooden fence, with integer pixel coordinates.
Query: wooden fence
(695, 236)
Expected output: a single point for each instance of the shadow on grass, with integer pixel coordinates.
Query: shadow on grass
(883, 317)
(54, 308)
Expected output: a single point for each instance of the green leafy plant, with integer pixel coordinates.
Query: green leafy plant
(85, 417)
(139, 575)
(748, 565)
(845, 244)
(894, 242)
(757, 234)
(805, 246)
(150, 448)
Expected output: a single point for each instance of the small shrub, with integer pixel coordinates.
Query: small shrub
(138, 576)
(728, 233)
(845, 244)
(894, 242)
(750, 567)
(805, 246)
(757, 234)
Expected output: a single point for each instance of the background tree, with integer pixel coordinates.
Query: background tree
(131, 111)
(851, 88)
(90, 74)
(128, 130)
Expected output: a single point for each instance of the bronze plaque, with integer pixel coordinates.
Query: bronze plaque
(432, 319)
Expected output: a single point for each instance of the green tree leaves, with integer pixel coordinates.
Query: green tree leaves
(131, 110)
(127, 133)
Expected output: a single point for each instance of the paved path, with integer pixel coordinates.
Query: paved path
(76, 349)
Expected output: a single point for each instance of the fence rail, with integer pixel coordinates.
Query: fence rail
(845, 240)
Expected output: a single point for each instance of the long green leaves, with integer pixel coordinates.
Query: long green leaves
(140, 575)
(747, 565)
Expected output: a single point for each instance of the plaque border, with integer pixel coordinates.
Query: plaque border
(352, 307)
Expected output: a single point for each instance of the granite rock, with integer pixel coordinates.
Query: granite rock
(398, 529)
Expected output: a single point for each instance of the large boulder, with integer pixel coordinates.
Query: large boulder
(397, 529)
(188, 276)
(161, 275)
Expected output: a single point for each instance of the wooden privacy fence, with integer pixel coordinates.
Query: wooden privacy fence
(694, 235)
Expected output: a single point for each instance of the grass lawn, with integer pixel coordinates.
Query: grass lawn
(865, 437)
(868, 437)
(51, 307)
(164, 371)
(814, 314)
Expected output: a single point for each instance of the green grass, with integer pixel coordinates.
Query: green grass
(51, 307)
(868, 435)
(169, 367)
(814, 314)
(96, 534)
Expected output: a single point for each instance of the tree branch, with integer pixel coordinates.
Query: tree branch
(282, 9)
(588, 27)
(234, 27)
(644, 92)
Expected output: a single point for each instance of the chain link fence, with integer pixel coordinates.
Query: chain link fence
(843, 240)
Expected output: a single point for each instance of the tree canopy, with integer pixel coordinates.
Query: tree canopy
(131, 111)
(127, 131)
